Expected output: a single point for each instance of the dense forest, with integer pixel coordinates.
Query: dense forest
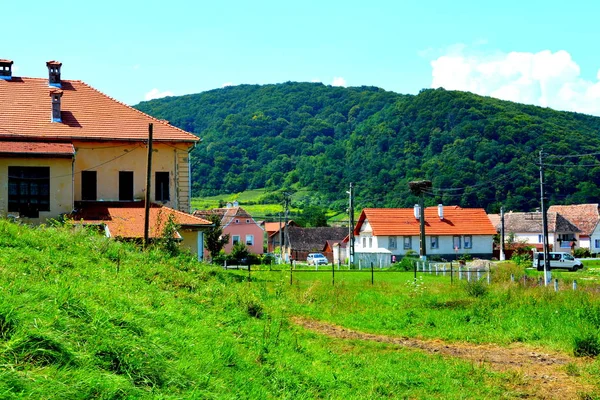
(477, 151)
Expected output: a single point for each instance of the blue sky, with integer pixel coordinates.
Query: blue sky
(539, 52)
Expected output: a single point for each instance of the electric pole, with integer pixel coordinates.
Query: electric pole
(419, 188)
(148, 187)
(351, 220)
(544, 222)
(286, 236)
(502, 253)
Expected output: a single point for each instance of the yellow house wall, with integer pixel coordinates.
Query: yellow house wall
(61, 185)
(109, 158)
(190, 241)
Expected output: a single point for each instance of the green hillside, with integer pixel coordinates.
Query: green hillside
(478, 151)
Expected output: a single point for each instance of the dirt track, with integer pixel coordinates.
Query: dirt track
(544, 373)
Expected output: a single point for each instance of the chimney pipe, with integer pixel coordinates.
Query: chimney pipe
(417, 212)
(6, 69)
(441, 211)
(54, 73)
(56, 95)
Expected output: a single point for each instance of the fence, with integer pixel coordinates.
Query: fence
(454, 271)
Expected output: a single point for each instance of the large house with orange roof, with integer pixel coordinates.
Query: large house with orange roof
(450, 232)
(66, 147)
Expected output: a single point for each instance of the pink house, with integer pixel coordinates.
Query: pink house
(240, 226)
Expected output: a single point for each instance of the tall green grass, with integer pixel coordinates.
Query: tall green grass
(83, 317)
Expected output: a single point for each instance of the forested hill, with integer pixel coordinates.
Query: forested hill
(477, 151)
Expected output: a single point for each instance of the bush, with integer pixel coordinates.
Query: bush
(582, 253)
(586, 346)
(476, 288)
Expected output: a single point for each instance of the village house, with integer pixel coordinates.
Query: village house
(527, 228)
(299, 242)
(273, 232)
(384, 235)
(585, 217)
(239, 225)
(66, 148)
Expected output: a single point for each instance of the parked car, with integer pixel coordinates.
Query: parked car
(316, 259)
(557, 260)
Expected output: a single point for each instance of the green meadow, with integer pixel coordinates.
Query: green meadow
(82, 316)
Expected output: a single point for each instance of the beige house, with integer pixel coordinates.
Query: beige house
(65, 146)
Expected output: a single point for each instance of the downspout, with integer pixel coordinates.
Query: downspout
(73, 183)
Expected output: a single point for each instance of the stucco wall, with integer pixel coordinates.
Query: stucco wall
(109, 158)
(191, 241)
(61, 185)
(242, 229)
(481, 244)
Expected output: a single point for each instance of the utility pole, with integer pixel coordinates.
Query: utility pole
(419, 188)
(280, 241)
(544, 221)
(502, 253)
(148, 186)
(351, 228)
(286, 236)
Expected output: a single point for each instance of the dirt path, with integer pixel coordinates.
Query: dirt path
(544, 374)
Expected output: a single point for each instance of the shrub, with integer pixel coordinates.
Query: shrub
(582, 253)
(586, 346)
(476, 288)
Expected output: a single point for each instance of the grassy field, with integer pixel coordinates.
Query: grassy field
(85, 317)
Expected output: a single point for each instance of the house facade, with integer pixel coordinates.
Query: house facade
(239, 225)
(387, 234)
(585, 217)
(65, 146)
(527, 227)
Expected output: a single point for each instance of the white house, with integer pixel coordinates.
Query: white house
(586, 217)
(450, 231)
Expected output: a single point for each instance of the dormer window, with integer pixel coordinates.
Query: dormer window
(6, 69)
(56, 95)
(54, 73)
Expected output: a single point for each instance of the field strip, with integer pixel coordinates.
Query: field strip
(543, 373)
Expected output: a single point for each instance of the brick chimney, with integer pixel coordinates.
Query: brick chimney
(6, 69)
(54, 73)
(56, 94)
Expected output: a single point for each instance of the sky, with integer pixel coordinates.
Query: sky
(529, 51)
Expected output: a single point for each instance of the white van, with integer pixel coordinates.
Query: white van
(557, 260)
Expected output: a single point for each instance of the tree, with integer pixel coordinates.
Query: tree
(213, 238)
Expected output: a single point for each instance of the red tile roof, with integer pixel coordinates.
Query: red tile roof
(87, 114)
(128, 221)
(29, 148)
(401, 221)
(584, 216)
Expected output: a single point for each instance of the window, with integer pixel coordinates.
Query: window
(29, 190)
(597, 243)
(249, 240)
(468, 241)
(237, 221)
(407, 242)
(235, 239)
(392, 242)
(370, 242)
(126, 185)
(434, 240)
(456, 242)
(161, 192)
(364, 243)
(89, 185)
(247, 221)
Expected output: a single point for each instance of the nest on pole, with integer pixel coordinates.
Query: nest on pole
(418, 187)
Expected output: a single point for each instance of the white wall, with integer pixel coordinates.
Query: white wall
(481, 244)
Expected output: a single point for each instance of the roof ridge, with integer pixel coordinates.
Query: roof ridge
(160, 121)
(181, 212)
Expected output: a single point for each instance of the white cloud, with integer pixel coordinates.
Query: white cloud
(545, 78)
(156, 94)
(338, 81)
(227, 84)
